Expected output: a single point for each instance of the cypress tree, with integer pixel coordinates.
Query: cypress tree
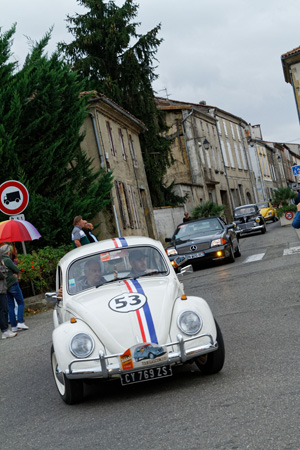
(115, 60)
(41, 147)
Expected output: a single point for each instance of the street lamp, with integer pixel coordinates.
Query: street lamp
(206, 144)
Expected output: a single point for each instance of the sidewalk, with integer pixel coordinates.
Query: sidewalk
(289, 234)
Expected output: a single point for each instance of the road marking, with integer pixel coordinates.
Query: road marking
(252, 258)
(291, 251)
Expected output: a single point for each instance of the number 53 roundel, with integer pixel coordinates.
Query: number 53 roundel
(127, 302)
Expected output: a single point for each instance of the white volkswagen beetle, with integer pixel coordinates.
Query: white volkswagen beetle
(123, 314)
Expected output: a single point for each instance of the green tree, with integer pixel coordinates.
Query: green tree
(207, 209)
(283, 196)
(42, 114)
(115, 60)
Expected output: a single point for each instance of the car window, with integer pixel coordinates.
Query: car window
(198, 228)
(96, 269)
(263, 205)
(244, 211)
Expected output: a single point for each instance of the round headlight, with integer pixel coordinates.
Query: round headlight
(189, 322)
(82, 345)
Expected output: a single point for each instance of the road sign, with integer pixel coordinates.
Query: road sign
(14, 197)
(296, 170)
(289, 215)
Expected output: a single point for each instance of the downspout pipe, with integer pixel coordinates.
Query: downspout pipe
(97, 140)
(185, 141)
(225, 171)
(247, 161)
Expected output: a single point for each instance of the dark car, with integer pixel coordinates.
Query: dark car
(203, 240)
(248, 219)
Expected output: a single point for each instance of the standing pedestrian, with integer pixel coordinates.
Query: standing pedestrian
(14, 291)
(6, 332)
(186, 217)
(88, 228)
(79, 238)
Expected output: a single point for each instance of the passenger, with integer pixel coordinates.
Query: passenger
(138, 263)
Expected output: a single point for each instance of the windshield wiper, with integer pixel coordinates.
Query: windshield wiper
(154, 272)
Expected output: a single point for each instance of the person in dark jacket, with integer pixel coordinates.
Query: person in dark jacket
(296, 220)
(6, 332)
(87, 229)
(13, 291)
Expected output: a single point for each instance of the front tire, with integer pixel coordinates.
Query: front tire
(213, 362)
(231, 258)
(263, 230)
(70, 391)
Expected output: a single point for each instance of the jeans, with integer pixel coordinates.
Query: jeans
(15, 293)
(3, 313)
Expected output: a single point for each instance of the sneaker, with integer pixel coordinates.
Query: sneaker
(14, 329)
(22, 326)
(8, 334)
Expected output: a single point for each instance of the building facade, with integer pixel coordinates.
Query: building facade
(112, 141)
(210, 150)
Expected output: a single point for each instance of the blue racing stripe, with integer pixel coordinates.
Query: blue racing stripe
(147, 312)
(123, 242)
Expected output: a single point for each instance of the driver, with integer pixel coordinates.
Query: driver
(92, 276)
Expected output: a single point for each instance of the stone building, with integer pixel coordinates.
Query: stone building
(291, 70)
(211, 155)
(112, 141)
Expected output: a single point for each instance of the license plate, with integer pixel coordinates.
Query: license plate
(146, 374)
(196, 255)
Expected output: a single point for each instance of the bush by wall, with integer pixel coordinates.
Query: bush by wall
(39, 267)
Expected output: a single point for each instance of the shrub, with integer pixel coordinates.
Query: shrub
(286, 208)
(39, 267)
(284, 196)
(207, 209)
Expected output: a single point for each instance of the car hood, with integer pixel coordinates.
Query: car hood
(264, 211)
(198, 239)
(118, 330)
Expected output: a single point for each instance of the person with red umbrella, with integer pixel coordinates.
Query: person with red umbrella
(13, 291)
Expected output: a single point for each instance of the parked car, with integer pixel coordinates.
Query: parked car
(115, 321)
(248, 219)
(268, 211)
(204, 240)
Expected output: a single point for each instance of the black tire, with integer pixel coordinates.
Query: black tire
(238, 253)
(213, 362)
(263, 231)
(71, 391)
(231, 257)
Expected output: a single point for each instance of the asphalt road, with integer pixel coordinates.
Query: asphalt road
(253, 403)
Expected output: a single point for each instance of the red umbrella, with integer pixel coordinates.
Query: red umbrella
(17, 230)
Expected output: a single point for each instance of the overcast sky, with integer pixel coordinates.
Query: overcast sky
(226, 52)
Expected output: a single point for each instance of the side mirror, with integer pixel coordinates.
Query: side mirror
(185, 269)
(51, 297)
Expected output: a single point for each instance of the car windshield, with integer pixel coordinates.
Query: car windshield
(202, 227)
(245, 211)
(98, 269)
(263, 205)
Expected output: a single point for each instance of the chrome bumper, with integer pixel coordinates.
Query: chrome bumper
(105, 369)
(249, 230)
